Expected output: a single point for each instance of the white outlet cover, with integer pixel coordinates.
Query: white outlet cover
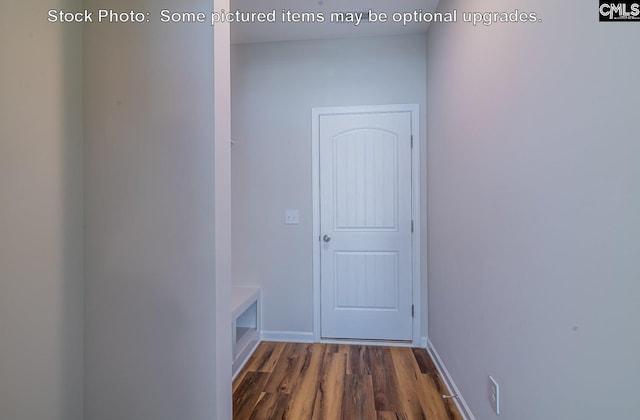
(291, 216)
(494, 395)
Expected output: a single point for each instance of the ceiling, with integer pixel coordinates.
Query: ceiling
(290, 31)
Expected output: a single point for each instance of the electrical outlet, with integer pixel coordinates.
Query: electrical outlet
(494, 395)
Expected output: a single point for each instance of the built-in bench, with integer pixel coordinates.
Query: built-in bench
(245, 316)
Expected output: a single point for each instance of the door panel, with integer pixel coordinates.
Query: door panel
(365, 219)
(366, 280)
(365, 178)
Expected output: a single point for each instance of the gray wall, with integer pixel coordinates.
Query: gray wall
(274, 87)
(149, 186)
(534, 197)
(41, 291)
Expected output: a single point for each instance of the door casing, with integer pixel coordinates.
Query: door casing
(415, 210)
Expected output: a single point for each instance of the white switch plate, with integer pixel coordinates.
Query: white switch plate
(291, 217)
(494, 395)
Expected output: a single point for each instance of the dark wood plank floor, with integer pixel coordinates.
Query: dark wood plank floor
(331, 381)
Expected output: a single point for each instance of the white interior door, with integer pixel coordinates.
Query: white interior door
(365, 226)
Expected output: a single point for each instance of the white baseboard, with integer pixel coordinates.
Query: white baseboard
(288, 336)
(424, 343)
(243, 359)
(464, 409)
(382, 343)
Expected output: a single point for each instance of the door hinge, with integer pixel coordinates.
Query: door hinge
(412, 141)
(413, 311)
(412, 226)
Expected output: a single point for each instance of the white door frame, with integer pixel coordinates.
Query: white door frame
(415, 209)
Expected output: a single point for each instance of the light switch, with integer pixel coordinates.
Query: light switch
(291, 217)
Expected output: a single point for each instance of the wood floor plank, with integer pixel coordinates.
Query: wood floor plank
(236, 382)
(428, 368)
(343, 348)
(357, 401)
(409, 374)
(424, 362)
(248, 393)
(263, 359)
(420, 396)
(287, 368)
(309, 378)
(435, 383)
(332, 348)
(328, 403)
(431, 400)
(391, 415)
(271, 406)
(385, 382)
(266, 359)
(452, 410)
(358, 361)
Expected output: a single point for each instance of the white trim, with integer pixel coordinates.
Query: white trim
(464, 409)
(307, 337)
(416, 238)
(288, 336)
(424, 343)
(242, 298)
(248, 352)
(382, 343)
(315, 188)
(415, 205)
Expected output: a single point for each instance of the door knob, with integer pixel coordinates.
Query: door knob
(326, 238)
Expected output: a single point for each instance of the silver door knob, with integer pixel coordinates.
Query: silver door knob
(326, 238)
